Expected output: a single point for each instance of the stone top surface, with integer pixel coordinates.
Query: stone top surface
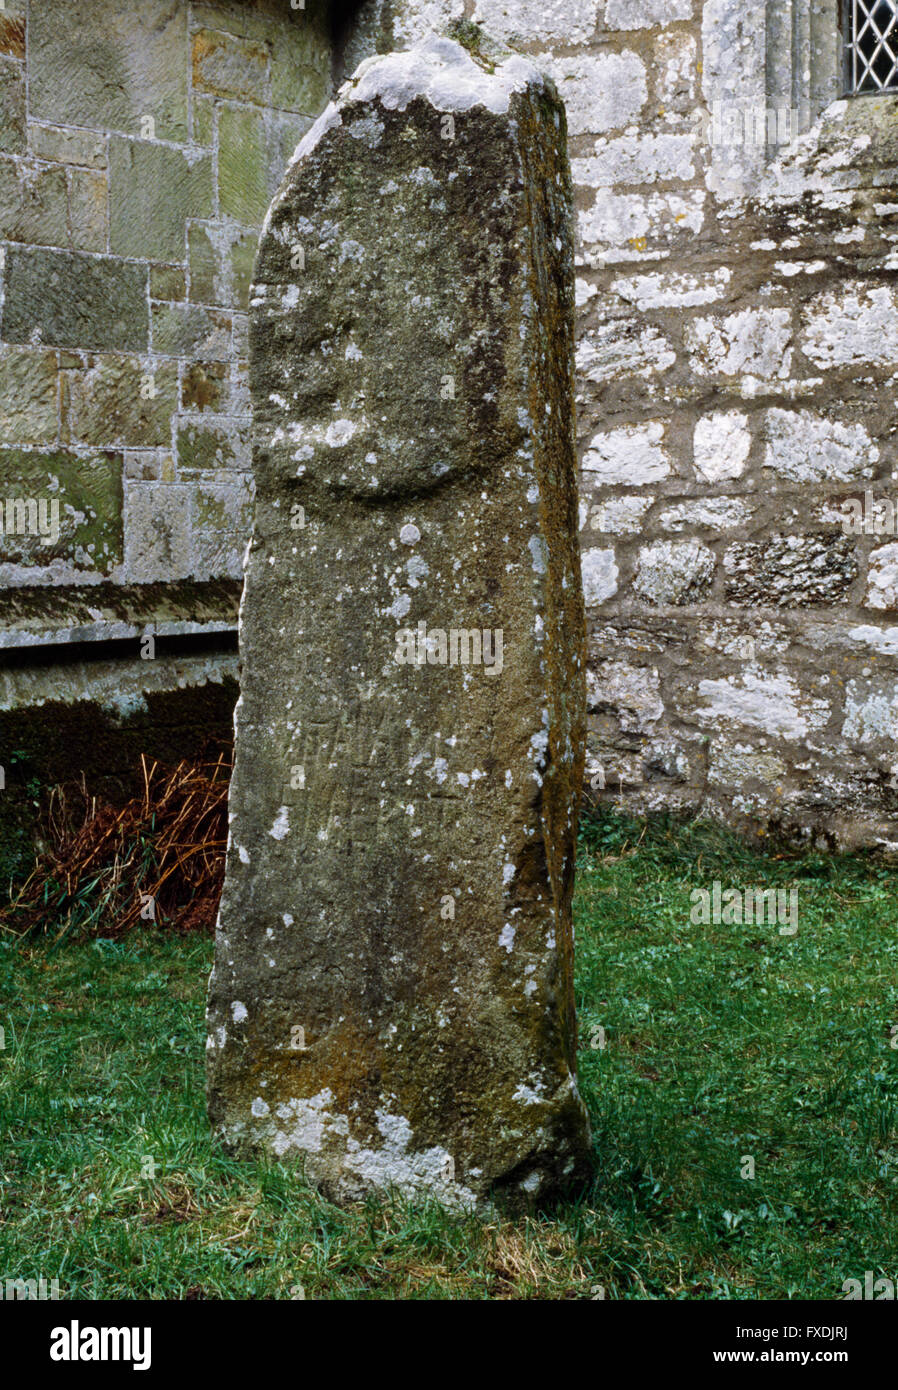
(438, 69)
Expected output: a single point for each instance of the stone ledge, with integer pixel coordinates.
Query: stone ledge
(42, 617)
(872, 121)
(853, 144)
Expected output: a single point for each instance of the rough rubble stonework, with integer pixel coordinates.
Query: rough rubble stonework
(737, 342)
(392, 995)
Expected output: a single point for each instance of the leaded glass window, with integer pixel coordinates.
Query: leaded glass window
(871, 33)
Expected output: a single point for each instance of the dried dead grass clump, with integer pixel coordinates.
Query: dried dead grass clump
(159, 859)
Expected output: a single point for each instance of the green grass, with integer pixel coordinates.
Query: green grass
(720, 1042)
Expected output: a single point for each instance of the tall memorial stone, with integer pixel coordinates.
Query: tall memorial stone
(391, 1003)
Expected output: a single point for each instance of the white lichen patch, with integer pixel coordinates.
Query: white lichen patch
(396, 1165)
(735, 764)
(858, 323)
(632, 455)
(870, 715)
(753, 342)
(672, 291)
(529, 21)
(620, 349)
(674, 572)
(881, 639)
(602, 92)
(711, 513)
(310, 1123)
(537, 547)
(616, 227)
(618, 516)
(600, 575)
(805, 447)
(338, 434)
(641, 159)
(882, 577)
(770, 702)
(529, 1095)
(645, 14)
(632, 692)
(721, 446)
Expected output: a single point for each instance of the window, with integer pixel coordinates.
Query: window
(871, 28)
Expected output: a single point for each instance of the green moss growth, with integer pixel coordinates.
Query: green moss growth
(472, 37)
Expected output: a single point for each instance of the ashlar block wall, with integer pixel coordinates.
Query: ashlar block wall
(140, 145)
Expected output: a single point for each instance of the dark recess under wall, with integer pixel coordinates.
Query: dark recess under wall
(56, 743)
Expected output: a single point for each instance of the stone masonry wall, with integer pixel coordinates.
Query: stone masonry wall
(140, 145)
(737, 363)
(737, 344)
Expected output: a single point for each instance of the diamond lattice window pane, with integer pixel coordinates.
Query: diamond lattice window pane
(873, 46)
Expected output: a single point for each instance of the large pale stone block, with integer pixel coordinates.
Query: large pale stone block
(602, 91)
(12, 107)
(66, 299)
(88, 198)
(645, 14)
(187, 330)
(158, 531)
(213, 446)
(807, 448)
(222, 518)
(221, 262)
(33, 203)
(70, 512)
(110, 65)
(674, 572)
(301, 70)
(857, 324)
(154, 189)
(229, 67)
(392, 999)
(28, 408)
(242, 165)
(548, 21)
(121, 400)
(84, 147)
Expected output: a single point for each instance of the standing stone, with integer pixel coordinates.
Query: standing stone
(392, 996)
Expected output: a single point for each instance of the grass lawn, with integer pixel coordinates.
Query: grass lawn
(701, 1047)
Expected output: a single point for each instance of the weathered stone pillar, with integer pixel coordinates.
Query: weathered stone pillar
(392, 999)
